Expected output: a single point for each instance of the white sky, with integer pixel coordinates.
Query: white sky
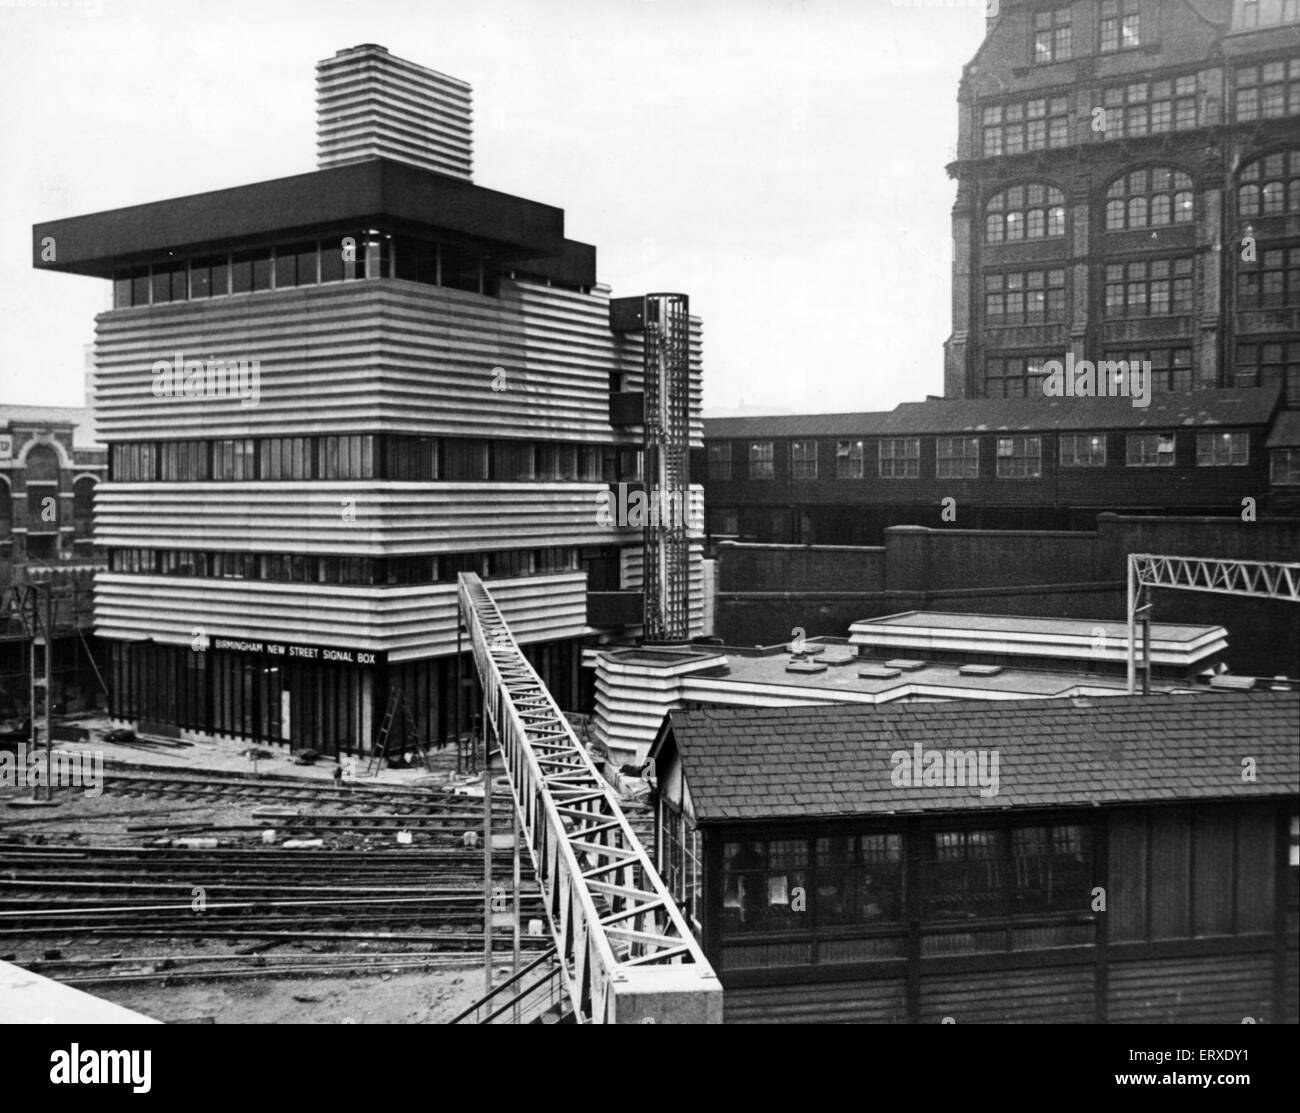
(781, 161)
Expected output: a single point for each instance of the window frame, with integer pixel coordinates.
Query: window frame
(909, 458)
(1075, 459)
(764, 459)
(963, 465)
(1031, 466)
(800, 458)
(1209, 444)
(1145, 459)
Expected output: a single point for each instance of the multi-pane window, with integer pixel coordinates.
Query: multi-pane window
(233, 459)
(184, 461)
(1268, 89)
(1083, 450)
(858, 879)
(720, 460)
(363, 254)
(803, 459)
(759, 883)
(1031, 125)
(1149, 198)
(965, 875)
(1052, 35)
(1272, 280)
(1024, 297)
(1051, 868)
(1270, 186)
(1025, 212)
(1272, 361)
(1016, 376)
(1171, 368)
(990, 873)
(848, 460)
(957, 457)
(1149, 107)
(900, 457)
(761, 460)
(134, 463)
(1149, 450)
(1284, 467)
(683, 873)
(1149, 288)
(1121, 25)
(1221, 450)
(1020, 457)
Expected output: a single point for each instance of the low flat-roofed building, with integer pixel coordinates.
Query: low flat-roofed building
(1127, 860)
(911, 656)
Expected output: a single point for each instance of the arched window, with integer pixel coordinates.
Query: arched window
(1149, 198)
(1270, 185)
(83, 497)
(1025, 212)
(42, 464)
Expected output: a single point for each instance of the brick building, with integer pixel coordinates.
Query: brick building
(1128, 187)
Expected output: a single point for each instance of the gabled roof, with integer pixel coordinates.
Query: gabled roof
(1232, 406)
(751, 763)
(1286, 430)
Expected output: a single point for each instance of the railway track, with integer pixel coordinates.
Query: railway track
(422, 904)
(235, 893)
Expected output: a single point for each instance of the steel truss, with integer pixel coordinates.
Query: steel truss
(626, 952)
(1260, 579)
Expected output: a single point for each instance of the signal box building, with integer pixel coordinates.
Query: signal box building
(326, 395)
(1107, 860)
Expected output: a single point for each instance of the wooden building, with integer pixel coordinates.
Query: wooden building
(1118, 860)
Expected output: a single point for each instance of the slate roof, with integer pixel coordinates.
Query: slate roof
(753, 763)
(1286, 430)
(1234, 406)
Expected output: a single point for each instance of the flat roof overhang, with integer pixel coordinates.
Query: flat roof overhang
(401, 197)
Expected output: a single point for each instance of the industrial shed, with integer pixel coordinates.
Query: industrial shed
(1118, 860)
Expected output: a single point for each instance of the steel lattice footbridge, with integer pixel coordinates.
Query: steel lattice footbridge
(625, 951)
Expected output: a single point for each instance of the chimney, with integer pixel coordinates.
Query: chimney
(370, 104)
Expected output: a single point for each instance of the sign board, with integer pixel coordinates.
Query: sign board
(298, 651)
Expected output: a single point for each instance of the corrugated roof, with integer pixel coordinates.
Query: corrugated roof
(746, 763)
(1230, 406)
(1286, 430)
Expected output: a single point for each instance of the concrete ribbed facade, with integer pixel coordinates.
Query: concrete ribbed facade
(281, 560)
(372, 105)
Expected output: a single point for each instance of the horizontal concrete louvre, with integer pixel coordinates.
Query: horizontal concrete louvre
(370, 103)
(375, 355)
(387, 519)
(405, 622)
